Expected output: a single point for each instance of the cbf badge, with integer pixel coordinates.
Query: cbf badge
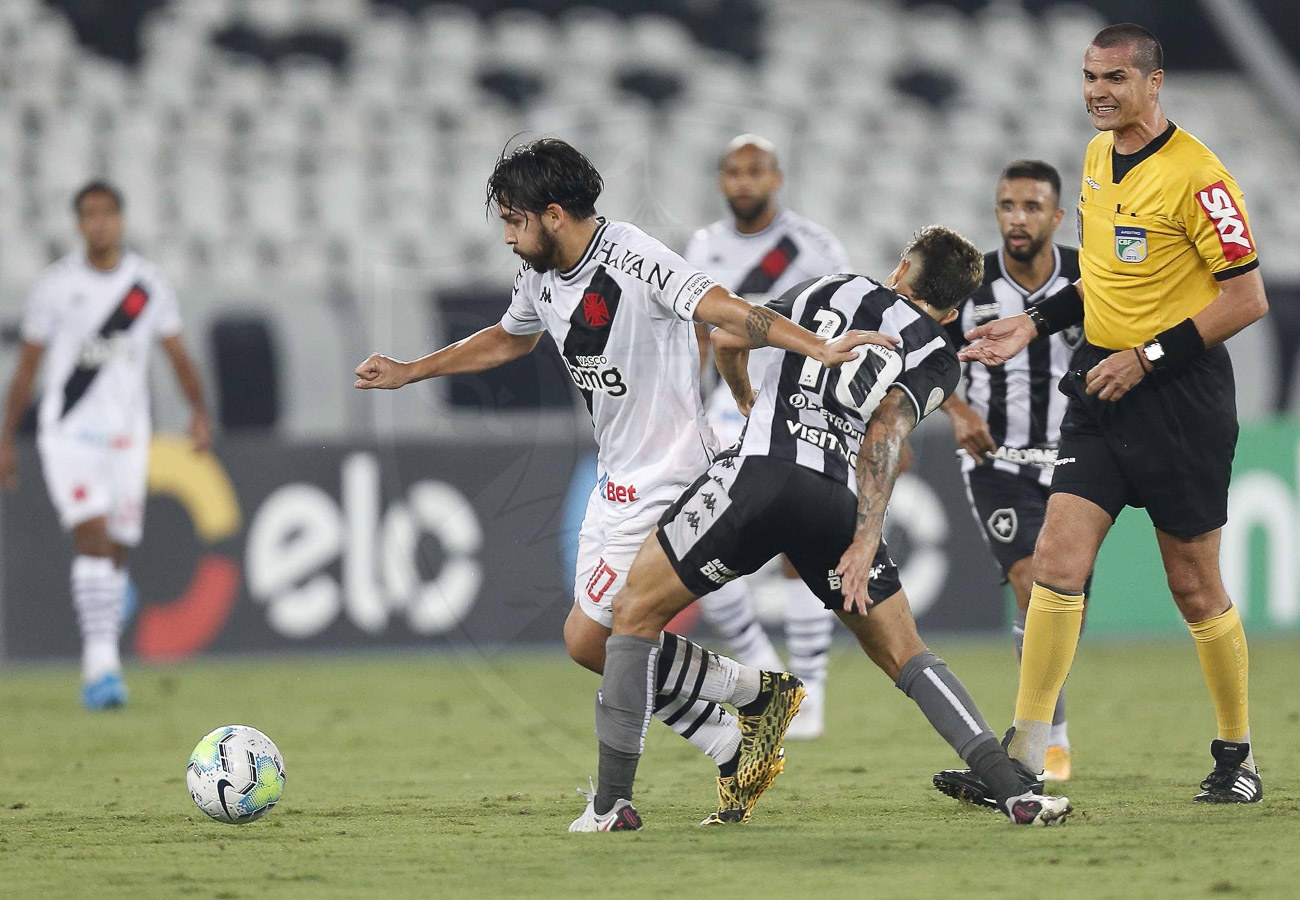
(1130, 244)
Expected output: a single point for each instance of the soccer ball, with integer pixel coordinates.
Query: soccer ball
(235, 774)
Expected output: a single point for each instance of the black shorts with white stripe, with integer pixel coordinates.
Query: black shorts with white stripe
(747, 509)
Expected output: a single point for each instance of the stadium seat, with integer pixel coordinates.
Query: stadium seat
(246, 371)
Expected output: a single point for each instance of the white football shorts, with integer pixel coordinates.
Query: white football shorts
(608, 543)
(87, 479)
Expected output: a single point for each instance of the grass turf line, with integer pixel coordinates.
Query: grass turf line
(445, 776)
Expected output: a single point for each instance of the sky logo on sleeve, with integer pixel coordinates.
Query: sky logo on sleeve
(1234, 236)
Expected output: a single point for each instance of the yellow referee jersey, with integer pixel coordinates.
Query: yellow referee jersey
(1158, 229)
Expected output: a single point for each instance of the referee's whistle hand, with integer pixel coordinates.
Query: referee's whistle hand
(1115, 375)
(993, 343)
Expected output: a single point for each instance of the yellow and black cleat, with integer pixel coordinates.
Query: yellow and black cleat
(763, 724)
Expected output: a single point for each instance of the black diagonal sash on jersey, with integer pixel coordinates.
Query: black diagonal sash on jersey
(120, 320)
(590, 324)
(771, 267)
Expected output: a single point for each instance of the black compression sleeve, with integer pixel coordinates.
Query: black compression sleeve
(1058, 311)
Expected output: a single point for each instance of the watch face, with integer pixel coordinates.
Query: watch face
(1153, 351)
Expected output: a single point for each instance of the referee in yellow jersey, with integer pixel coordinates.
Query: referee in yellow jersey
(1168, 274)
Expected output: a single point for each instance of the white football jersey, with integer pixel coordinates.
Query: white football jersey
(98, 329)
(622, 319)
(759, 267)
(766, 264)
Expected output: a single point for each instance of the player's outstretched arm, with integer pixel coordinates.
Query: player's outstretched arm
(879, 462)
(760, 326)
(483, 350)
(20, 396)
(187, 376)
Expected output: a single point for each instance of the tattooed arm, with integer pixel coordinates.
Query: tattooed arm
(879, 462)
(757, 326)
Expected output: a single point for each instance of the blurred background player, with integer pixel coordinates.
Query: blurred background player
(759, 252)
(94, 317)
(1009, 425)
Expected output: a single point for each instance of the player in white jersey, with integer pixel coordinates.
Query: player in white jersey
(759, 252)
(619, 306)
(93, 318)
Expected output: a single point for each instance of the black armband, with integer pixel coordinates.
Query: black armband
(1174, 346)
(1057, 312)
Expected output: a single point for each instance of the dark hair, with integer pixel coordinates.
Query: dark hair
(98, 186)
(948, 268)
(1148, 55)
(1034, 170)
(532, 176)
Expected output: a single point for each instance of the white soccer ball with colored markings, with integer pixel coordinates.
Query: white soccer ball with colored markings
(235, 774)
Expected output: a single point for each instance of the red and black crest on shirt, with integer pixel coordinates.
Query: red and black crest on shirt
(771, 267)
(595, 310)
(123, 317)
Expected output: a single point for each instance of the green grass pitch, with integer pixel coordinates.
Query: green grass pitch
(454, 775)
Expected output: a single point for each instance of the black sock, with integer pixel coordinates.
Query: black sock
(727, 769)
(617, 772)
(990, 762)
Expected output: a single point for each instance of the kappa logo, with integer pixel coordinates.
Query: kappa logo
(1003, 525)
(1234, 236)
(595, 311)
(546, 296)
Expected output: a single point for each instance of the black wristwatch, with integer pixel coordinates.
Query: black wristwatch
(1154, 352)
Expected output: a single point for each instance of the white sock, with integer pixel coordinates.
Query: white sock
(730, 612)
(97, 591)
(1060, 737)
(709, 727)
(809, 629)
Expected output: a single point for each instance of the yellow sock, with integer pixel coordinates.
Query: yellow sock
(1221, 645)
(1051, 636)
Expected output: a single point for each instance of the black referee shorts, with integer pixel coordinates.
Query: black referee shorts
(745, 510)
(1167, 445)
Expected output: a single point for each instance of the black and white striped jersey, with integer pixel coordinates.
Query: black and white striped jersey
(796, 416)
(1019, 399)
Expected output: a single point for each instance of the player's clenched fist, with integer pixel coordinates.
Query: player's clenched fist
(379, 371)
